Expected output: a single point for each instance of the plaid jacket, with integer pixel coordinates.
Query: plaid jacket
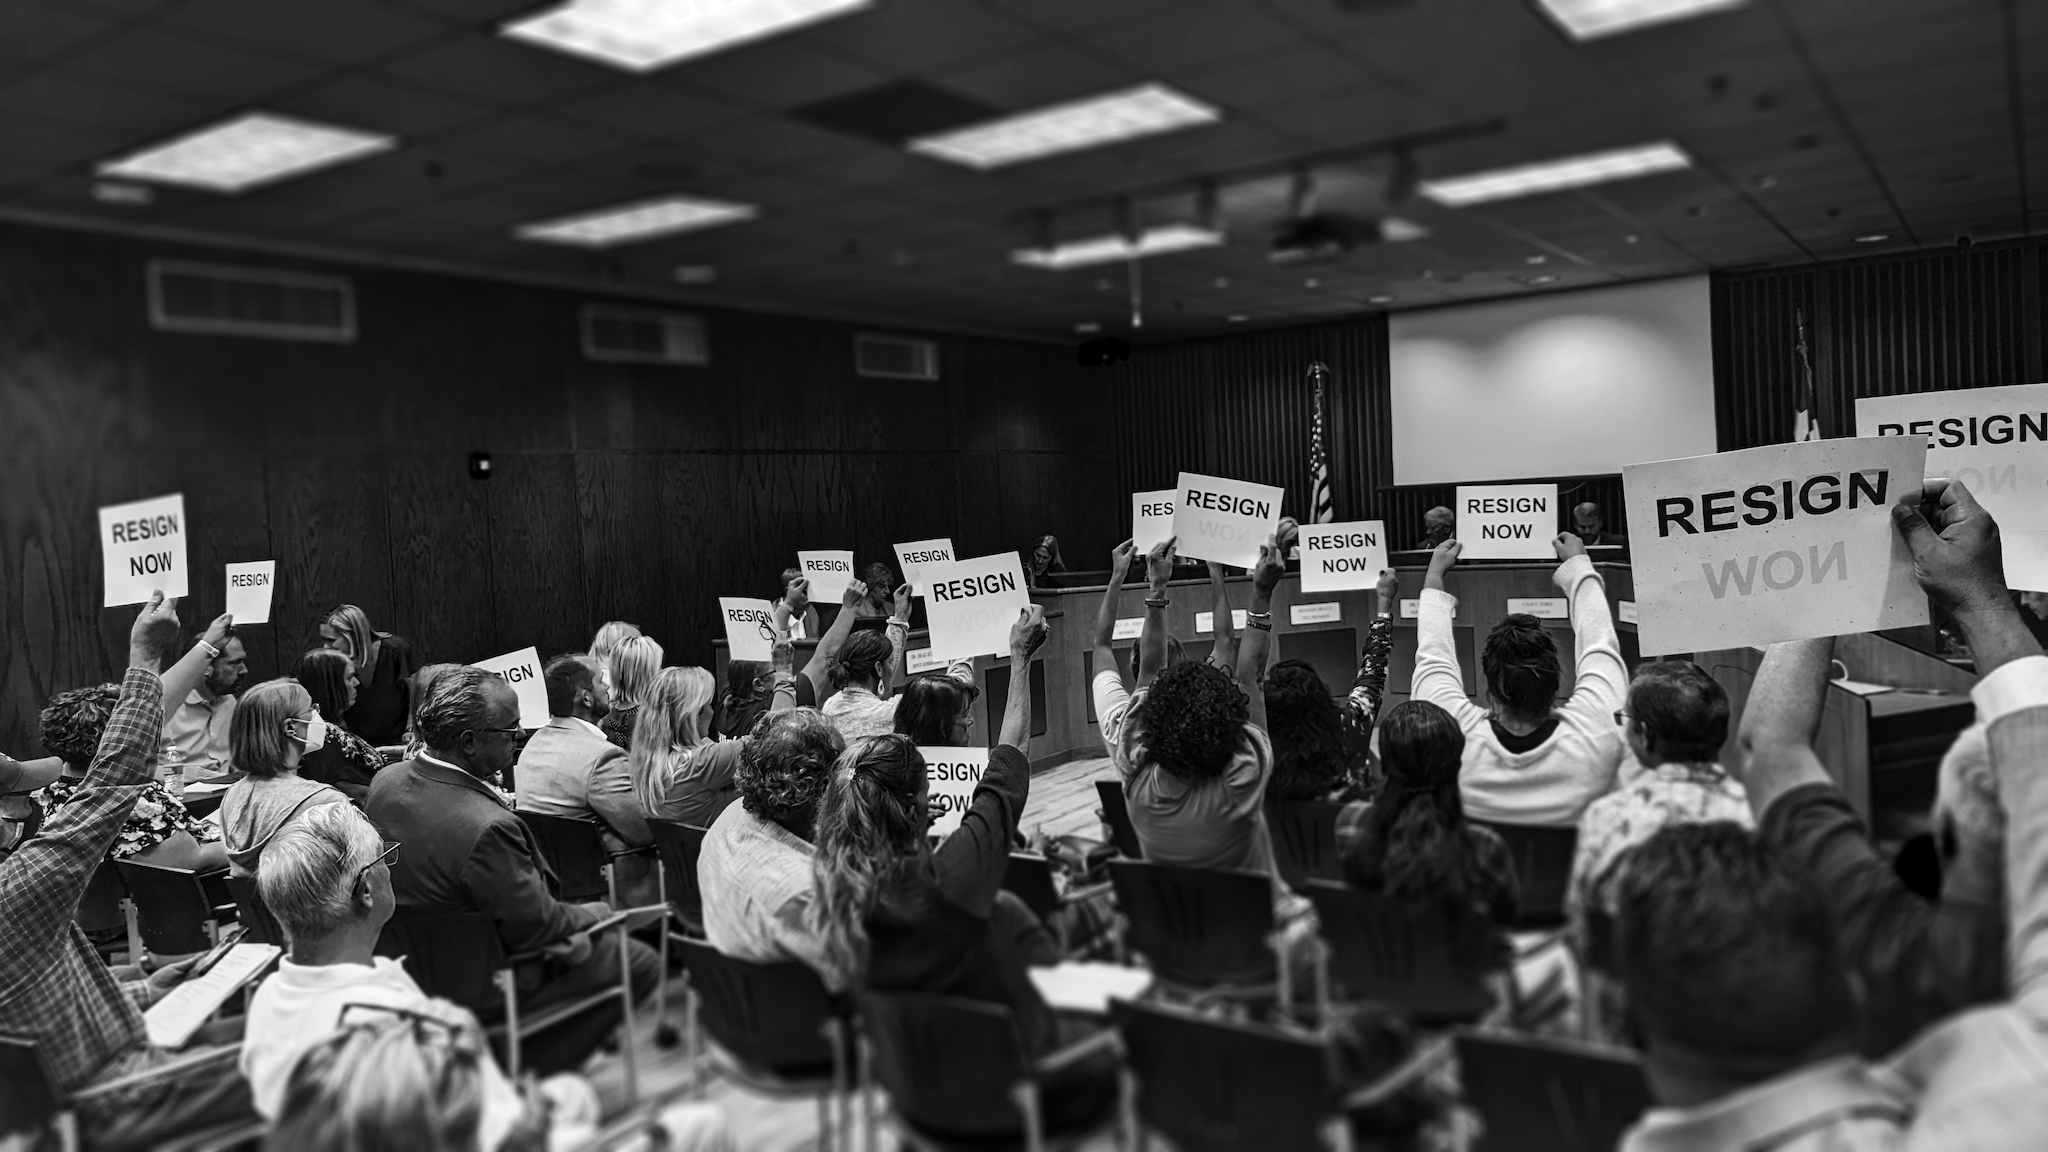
(54, 988)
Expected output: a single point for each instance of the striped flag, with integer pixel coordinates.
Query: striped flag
(1805, 415)
(1318, 461)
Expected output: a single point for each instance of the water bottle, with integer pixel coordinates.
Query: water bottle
(174, 780)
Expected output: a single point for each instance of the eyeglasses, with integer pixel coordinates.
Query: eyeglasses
(514, 731)
(1621, 719)
(426, 1027)
(388, 856)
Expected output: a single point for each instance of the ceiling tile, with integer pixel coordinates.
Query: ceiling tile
(40, 31)
(499, 71)
(146, 56)
(1198, 32)
(375, 105)
(911, 36)
(338, 33)
(778, 74)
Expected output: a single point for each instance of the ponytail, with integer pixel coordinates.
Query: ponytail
(862, 657)
(1413, 847)
(869, 828)
(1521, 666)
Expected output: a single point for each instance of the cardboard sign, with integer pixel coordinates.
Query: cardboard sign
(1541, 607)
(918, 555)
(1336, 557)
(521, 669)
(1507, 521)
(1151, 519)
(1784, 542)
(1325, 612)
(1224, 520)
(970, 605)
(1206, 621)
(1128, 628)
(249, 589)
(829, 572)
(1993, 440)
(953, 774)
(749, 627)
(144, 547)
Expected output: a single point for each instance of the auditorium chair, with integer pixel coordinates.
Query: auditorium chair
(772, 1028)
(32, 1102)
(1215, 1085)
(1407, 960)
(258, 925)
(679, 846)
(1304, 836)
(1117, 814)
(174, 913)
(958, 1078)
(576, 852)
(1547, 1095)
(1543, 864)
(106, 918)
(1206, 933)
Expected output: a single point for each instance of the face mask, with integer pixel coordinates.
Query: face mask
(316, 733)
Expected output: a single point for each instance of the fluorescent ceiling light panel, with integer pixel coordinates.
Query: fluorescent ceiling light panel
(1592, 19)
(1557, 175)
(1146, 110)
(642, 35)
(641, 220)
(251, 149)
(1113, 246)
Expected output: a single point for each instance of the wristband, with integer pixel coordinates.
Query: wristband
(1156, 601)
(1261, 625)
(212, 653)
(1258, 615)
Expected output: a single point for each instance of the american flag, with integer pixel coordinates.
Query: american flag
(1318, 462)
(1805, 418)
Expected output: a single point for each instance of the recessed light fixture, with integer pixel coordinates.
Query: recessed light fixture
(1382, 298)
(642, 35)
(251, 149)
(108, 192)
(1874, 238)
(1086, 327)
(1592, 19)
(1631, 238)
(1534, 259)
(1538, 281)
(1557, 175)
(640, 220)
(1395, 230)
(1146, 110)
(1311, 283)
(1223, 282)
(1238, 317)
(1114, 246)
(695, 273)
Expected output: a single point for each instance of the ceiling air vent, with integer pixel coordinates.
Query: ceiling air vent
(895, 357)
(262, 302)
(639, 336)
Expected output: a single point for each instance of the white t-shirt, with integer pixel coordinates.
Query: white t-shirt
(1112, 704)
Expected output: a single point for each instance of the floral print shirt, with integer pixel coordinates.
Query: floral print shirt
(157, 817)
(1665, 795)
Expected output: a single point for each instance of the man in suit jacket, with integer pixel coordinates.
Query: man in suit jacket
(465, 851)
(572, 770)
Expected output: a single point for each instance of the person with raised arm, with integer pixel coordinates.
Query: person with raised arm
(796, 618)
(815, 681)
(1223, 653)
(863, 670)
(1528, 760)
(1320, 744)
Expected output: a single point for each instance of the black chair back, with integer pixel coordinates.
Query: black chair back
(947, 1063)
(771, 1016)
(1198, 926)
(1599, 943)
(1549, 1095)
(453, 955)
(679, 845)
(1211, 1085)
(574, 850)
(30, 1101)
(1117, 814)
(257, 922)
(170, 904)
(100, 909)
(1305, 840)
(1029, 878)
(1543, 864)
(1383, 952)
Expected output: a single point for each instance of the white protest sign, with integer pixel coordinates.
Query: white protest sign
(749, 627)
(1993, 440)
(521, 669)
(1151, 518)
(144, 546)
(1335, 557)
(1224, 520)
(1784, 542)
(918, 555)
(1507, 521)
(953, 774)
(970, 605)
(829, 572)
(249, 589)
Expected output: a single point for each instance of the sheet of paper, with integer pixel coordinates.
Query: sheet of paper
(953, 774)
(1151, 519)
(521, 669)
(1336, 557)
(1783, 542)
(143, 545)
(1224, 520)
(172, 1020)
(249, 588)
(1506, 521)
(918, 555)
(749, 627)
(1088, 986)
(970, 605)
(829, 571)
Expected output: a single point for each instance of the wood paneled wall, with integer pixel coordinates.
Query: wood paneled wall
(620, 491)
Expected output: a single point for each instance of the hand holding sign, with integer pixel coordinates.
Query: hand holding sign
(902, 601)
(1120, 562)
(828, 570)
(749, 627)
(155, 629)
(854, 596)
(1567, 545)
(970, 605)
(249, 589)
(1442, 560)
(1159, 565)
(1028, 633)
(1958, 563)
(797, 595)
(1224, 520)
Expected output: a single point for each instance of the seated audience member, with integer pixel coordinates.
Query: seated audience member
(385, 665)
(1437, 525)
(749, 688)
(865, 667)
(609, 636)
(1042, 563)
(1675, 723)
(937, 711)
(1919, 960)
(627, 675)
(157, 829)
(796, 618)
(1587, 525)
(274, 727)
(1529, 761)
(196, 728)
(1320, 745)
(54, 989)
(1112, 694)
(1736, 985)
(569, 769)
(680, 772)
(814, 682)
(20, 780)
(2034, 614)
(1413, 843)
(346, 761)
(755, 869)
(467, 852)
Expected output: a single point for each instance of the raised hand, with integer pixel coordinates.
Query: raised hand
(1957, 557)
(217, 632)
(1028, 633)
(1120, 559)
(155, 630)
(798, 594)
(902, 603)
(1159, 563)
(856, 594)
(1388, 588)
(1568, 545)
(1286, 532)
(1271, 567)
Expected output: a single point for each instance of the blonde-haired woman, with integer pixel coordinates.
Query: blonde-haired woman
(608, 639)
(630, 671)
(681, 772)
(274, 725)
(384, 668)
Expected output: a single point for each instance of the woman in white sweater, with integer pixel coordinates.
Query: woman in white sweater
(1529, 760)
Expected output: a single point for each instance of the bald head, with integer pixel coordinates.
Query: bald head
(1437, 524)
(1586, 519)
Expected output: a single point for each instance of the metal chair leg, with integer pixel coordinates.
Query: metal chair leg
(627, 1029)
(1026, 1093)
(508, 985)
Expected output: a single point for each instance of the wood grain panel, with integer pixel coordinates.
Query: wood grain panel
(898, 498)
(442, 597)
(537, 589)
(227, 520)
(699, 536)
(617, 504)
(328, 526)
